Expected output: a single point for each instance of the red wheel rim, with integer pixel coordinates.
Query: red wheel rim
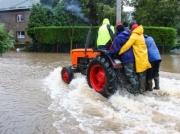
(65, 76)
(97, 78)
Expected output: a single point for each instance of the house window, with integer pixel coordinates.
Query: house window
(20, 18)
(20, 34)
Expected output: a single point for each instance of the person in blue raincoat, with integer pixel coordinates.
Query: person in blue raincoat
(155, 59)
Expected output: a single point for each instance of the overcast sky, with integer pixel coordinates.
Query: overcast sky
(127, 8)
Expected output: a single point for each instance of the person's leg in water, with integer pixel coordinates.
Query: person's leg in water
(156, 74)
(149, 77)
(131, 74)
(142, 81)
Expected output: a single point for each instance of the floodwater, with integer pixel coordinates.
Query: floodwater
(35, 100)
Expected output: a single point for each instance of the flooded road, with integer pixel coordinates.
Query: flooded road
(170, 63)
(35, 100)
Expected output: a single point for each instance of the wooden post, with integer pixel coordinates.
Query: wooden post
(163, 49)
(57, 48)
(38, 48)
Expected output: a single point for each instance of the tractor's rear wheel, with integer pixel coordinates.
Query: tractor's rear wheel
(67, 74)
(101, 76)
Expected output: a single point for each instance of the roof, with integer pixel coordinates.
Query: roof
(16, 4)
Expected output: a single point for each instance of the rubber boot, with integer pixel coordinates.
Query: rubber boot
(156, 81)
(142, 84)
(134, 84)
(149, 85)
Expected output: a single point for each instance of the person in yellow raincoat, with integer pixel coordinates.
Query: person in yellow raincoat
(137, 42)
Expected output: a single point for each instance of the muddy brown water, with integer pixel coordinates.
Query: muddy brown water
(34, 100)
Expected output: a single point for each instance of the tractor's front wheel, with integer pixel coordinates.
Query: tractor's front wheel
(101, 76)
(67, 74)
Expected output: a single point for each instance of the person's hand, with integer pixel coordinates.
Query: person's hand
(106, 52)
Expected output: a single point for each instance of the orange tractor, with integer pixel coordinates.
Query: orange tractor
(104, 74)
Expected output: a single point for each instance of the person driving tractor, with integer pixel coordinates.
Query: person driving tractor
(106, 35)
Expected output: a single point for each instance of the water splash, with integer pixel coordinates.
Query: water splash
(79, 109)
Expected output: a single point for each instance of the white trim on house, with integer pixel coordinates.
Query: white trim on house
(6, 5)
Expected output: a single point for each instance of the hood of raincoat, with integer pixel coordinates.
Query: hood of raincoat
(138, 30)
(105, 21)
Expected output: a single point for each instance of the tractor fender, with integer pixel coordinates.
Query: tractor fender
(115, 62)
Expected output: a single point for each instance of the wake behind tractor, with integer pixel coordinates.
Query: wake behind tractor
(104, 73)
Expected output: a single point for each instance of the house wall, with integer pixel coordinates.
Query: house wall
(10, 19)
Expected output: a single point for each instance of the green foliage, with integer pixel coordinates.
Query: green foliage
(51, 3)
(39, 17)
(6, 39)
(46, 16)
(51, 35)
(100, 9)
(70, 13)
(63, 35)
(105, 11)
(162, 35)
(177, 26)
(157, 12)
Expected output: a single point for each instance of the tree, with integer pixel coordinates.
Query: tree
(40, 16)
(6, 39)
(95, 10)
(157, 12)
(45, 16)
(51, 3)
(92, 11)
(71, 12)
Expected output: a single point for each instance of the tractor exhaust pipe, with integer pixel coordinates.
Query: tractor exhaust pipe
(87, 40)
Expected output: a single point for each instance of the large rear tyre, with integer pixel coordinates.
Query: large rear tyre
(101, 76)
(67, 74)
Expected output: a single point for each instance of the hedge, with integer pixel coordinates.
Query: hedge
(163, 36)
(63, 35)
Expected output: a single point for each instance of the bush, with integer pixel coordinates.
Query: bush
(6, 39)
(163, 36)
(64, 35)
